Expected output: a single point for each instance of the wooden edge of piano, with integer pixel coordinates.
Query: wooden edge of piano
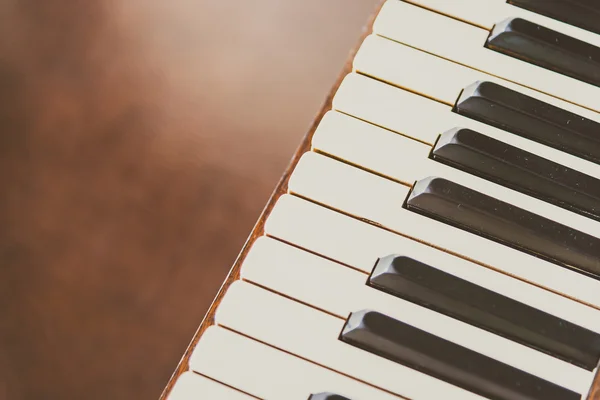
(258, 229)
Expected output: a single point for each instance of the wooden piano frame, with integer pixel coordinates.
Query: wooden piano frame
(258, 230)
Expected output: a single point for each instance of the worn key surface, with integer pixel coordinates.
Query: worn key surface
(404, 344)
(533, 119)
(520, 170)
(412, 280)
(546, 48)
(486, 216)
(583, 14)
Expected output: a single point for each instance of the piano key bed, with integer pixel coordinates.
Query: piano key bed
(438, 233)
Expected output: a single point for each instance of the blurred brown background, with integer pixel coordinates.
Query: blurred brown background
(139, 141)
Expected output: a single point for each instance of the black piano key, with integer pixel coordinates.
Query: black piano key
(520, 170)
(546, 48)
(432, 355)
(583, 14)
(445, 293)
(327, 396)
(531, 118)
(504, 223)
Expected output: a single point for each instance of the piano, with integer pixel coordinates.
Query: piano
(437, 234)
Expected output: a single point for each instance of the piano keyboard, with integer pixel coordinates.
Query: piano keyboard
(440, 237)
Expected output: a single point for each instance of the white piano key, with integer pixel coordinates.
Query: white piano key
(191, 386)
(339, 133)
(424, 119)
(313, 335)
(406, 160)
(359, 245)
(269, 373)
(464, 44)
(435, 77)
(487, 13)
(340, 290)
(364, 195)
(392, 108)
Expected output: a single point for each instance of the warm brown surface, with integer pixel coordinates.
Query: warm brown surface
(139, 145)
(258, 230)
